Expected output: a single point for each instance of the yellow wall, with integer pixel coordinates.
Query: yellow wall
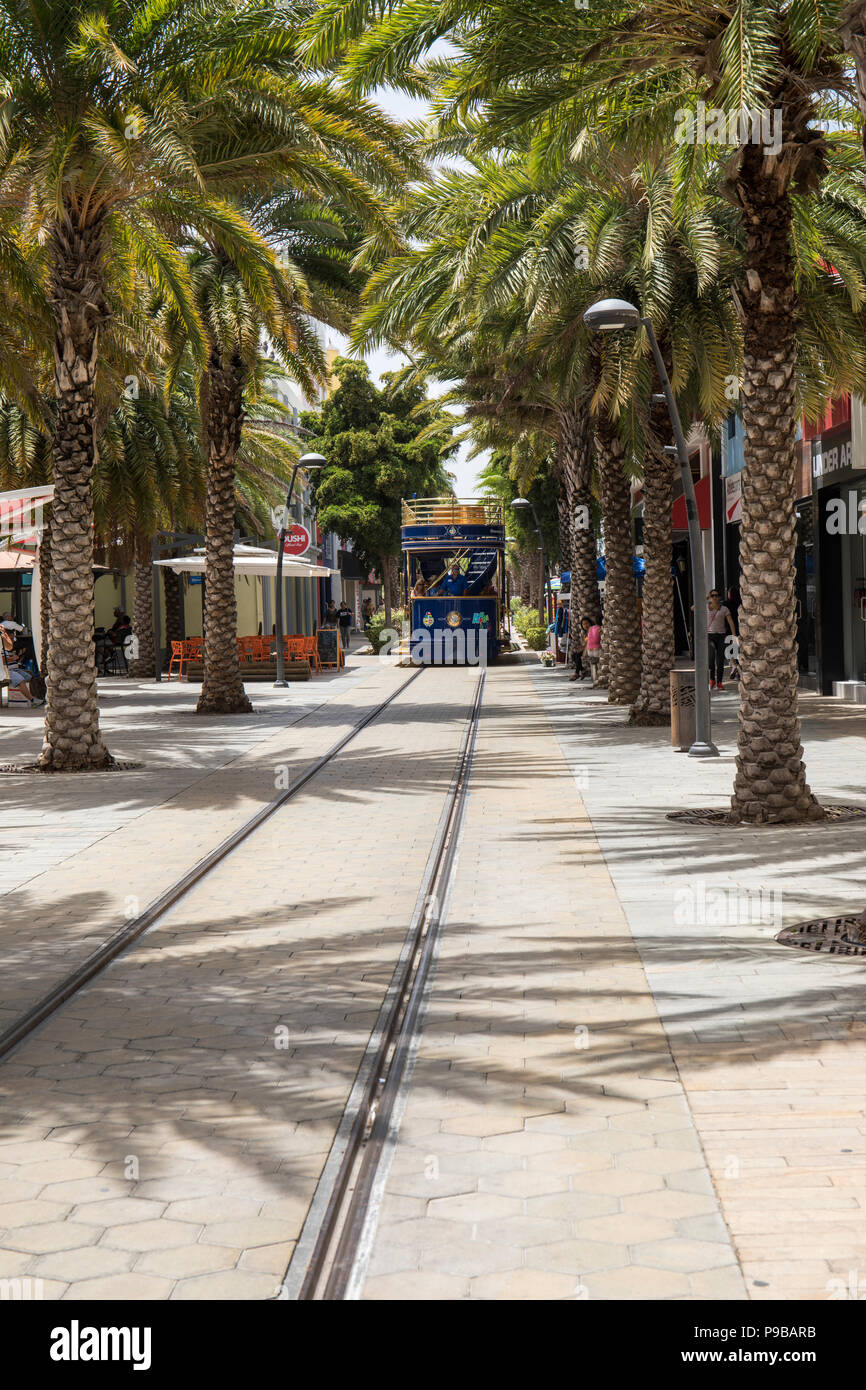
(299, 616)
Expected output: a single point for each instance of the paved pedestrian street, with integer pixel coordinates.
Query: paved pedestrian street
(618, 1086)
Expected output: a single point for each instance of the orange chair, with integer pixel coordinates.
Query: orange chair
(248, 648)
(177, 655)
(294, 647)
(311, 652)
(195, 646)
(264, 648)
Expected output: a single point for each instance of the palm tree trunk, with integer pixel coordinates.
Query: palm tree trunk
(770, 783)
(73, 742)
(144, 664)
(575, 440)
(222, 690)
(621, 631)
(44, 592)
(174, 627)
(853, 34)
(653, 704)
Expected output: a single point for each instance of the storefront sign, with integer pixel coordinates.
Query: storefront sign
(734, 499)
(297, 540)
(832, 455)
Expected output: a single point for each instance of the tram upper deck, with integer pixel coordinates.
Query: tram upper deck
(454, 578)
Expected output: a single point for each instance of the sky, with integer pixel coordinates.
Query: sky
(405, 108)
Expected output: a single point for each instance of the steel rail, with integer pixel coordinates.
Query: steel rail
(120, 940)
(329, 1272)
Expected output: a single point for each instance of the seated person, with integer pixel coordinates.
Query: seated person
(13, 654)
(120, 628)
(489, 592)
(420, 588)
(454, 582)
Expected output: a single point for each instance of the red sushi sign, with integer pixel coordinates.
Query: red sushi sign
(296, 540)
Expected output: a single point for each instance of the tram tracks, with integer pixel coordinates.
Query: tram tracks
(111, 949)
(329, 1257)
(328, 1262)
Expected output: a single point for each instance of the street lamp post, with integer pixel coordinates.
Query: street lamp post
(307, 462)
(608, 315)
(520, 504)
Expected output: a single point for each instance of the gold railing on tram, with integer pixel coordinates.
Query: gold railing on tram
(453, 511)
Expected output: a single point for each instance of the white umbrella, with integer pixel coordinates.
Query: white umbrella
(249, 559)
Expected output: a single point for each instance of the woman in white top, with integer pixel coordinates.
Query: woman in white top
(719, 623)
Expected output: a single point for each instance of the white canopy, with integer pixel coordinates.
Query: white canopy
(250, 559)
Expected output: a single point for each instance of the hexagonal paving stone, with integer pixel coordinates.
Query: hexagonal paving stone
(617, 1182)
(660, 1160)
(447, 1184)
(82, 1190)
(627, 1228)
(14, 1214)
(87, 1262)
(611, 1141)
(36, 1151)
(14, 1262)
(667, 1203)
(525, 1285)
(570, 1161)
(64, 1170)
(520, 1231)
(243, 1234)
(518, 1182)
(53, 1235)
(214, 1208)
(525, 1141)
(483, 1125)
(414, 1285)
(229, 1285)
(686, 1255)
(184, 1261)
(119, 1211)
(475, 1206)
(129, 1287)
(572, 1206)
(151, 1235)
(268, 1259)
(576, 1256)
(470, 1258)
(633, 1281)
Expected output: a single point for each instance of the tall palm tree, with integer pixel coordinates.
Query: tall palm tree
(100, 104)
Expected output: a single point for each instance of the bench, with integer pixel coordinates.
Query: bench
(257, 671)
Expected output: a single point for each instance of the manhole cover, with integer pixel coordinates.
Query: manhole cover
(836, 936)
(712, 816)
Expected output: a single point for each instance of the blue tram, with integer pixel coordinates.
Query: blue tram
(454, 580)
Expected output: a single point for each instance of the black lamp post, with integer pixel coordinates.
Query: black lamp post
(610, 315)
(520, 504)
(307, 462)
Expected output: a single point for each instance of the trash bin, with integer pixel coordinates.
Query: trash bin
(682, 709)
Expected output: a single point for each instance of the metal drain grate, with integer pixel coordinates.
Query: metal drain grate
(712, 816)
(836, 936)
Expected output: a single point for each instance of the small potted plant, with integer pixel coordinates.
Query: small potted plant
(546, 658)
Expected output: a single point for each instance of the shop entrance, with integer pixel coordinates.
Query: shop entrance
(805, 594)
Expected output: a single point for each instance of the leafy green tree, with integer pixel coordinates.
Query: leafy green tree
(382, 445)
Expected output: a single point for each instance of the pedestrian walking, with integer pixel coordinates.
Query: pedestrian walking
(330, 617)
(719, 624)
(592, 648)
(344, 614)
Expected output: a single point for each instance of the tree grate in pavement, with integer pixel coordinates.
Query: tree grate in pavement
(835, 936)
(833, 815)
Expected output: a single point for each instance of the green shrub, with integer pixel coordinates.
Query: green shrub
(377, 626)
(536, 637)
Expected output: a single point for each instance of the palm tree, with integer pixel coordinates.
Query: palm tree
(100, 106)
